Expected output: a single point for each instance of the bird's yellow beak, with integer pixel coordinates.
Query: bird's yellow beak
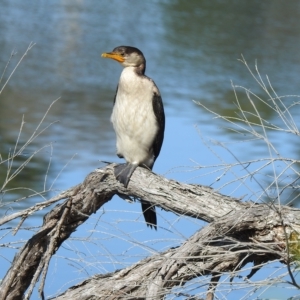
(114, 55)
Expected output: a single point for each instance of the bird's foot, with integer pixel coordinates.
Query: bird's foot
(123, 172)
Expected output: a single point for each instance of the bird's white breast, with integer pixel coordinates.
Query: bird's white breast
(133, 118)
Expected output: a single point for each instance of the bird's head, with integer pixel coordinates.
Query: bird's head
(127, 56)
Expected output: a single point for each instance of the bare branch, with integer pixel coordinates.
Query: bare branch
(239, 233)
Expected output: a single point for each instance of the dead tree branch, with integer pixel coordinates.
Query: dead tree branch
(238, 233)
(224, 246)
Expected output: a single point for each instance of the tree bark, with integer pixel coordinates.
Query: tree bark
(238, 233)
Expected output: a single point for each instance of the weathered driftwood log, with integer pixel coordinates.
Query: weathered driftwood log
(238, 233)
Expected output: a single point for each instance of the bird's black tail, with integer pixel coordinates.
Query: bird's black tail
(149, 214)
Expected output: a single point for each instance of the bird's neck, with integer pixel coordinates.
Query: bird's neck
(131, 73)
(140, 70)
(128, 78)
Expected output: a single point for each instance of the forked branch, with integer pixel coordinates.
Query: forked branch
(238, 233)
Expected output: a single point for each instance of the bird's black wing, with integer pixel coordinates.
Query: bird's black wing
(159, 113)
(118, 154)
(116, 95)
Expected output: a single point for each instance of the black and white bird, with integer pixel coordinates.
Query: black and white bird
(138, 119)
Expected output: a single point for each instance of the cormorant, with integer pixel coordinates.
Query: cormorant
(138, 119)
